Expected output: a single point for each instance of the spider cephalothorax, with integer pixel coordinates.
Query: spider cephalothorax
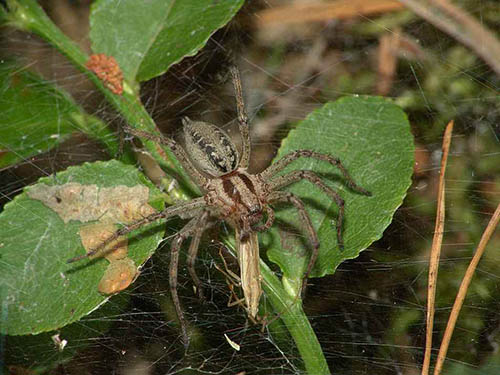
(232, 194)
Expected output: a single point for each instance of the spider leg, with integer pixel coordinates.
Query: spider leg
(242, 117)
(201, 226)
(287, 159)
(284, 197)
(166, 213)
(184, 233)
(312, 177)
(269, 221)
(177, 150)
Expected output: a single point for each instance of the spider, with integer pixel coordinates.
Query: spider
(232, 194)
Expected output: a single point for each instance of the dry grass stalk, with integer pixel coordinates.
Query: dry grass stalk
(462, 291)
(436, 250)
(387, 62)
(323, 11)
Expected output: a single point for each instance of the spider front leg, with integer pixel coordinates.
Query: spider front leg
(284, 197)
(165, 214)
(242, 117)
(287, 159)
(312, 177)
(269, 220)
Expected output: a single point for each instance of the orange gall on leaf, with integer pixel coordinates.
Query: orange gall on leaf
(108, 71)
(118, 276)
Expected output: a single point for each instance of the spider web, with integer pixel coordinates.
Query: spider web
(370, 315)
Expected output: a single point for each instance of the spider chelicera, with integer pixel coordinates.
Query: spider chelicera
(235, 196)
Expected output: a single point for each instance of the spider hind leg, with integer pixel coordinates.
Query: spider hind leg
(289, 158)
(191, 227)
(312, 177)
(284, 197)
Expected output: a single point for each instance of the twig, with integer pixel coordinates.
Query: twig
(461, 26)
(463, 289)
(436, 250)
(323, 11)
(387, 61)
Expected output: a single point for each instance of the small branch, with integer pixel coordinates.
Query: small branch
(387, 62)
(323, 11)
(463, 289)
(461, 26)
(436, 250)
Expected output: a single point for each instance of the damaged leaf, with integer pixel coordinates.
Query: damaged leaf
(118, 276)
(121, 270)
(41, 291)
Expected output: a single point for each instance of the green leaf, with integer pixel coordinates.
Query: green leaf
(371, 136)
(147, 37)
(41, 291)
(36, 116)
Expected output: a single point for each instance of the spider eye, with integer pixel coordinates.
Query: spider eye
(210, 148)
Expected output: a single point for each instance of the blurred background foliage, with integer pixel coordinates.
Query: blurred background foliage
(370, 315)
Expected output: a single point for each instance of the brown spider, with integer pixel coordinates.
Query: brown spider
(234, 195)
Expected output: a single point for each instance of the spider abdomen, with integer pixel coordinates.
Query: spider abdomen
(210, 148)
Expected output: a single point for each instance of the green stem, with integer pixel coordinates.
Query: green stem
(295, 319)
(290, 311)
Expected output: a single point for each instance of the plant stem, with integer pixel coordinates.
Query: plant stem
(295, 319)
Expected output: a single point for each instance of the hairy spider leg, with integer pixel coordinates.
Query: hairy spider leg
(177, 150)
(287, 159)
(312, 177)
(193, 251)
(185, 232)
(269, 221)
(242, 117)
(166, 213)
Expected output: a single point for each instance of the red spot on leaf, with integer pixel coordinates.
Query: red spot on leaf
(108, 71)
